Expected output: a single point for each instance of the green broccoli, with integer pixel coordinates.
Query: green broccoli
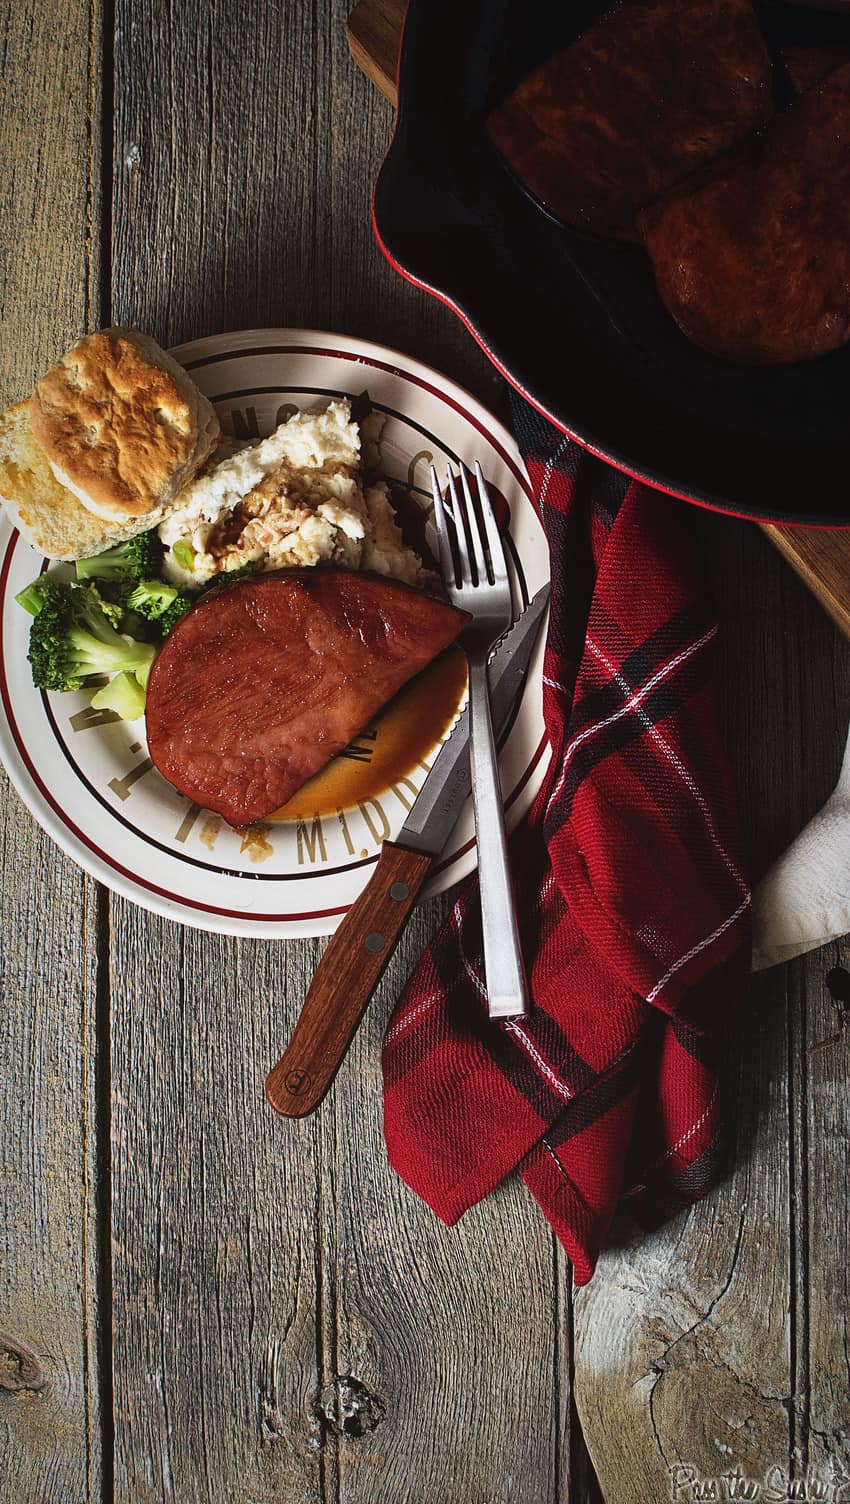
(123, 694)
(40, 592)
(47, 590)
(169, 618)
(159, 602)
(72, 638)
(115, 614)
(125, 563)
(238, 572)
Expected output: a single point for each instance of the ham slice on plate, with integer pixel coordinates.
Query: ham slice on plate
(260, 684)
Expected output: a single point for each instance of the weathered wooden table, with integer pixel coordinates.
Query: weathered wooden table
(200, 1303)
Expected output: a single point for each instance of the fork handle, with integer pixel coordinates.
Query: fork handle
(503, 968)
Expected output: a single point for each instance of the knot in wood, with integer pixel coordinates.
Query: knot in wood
(347, 1407)
(838, 986)
(19, 1366)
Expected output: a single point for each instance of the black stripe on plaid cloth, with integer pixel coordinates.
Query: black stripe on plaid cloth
(606, 1092)
(655, 707)
(630, 895)
(637, 664)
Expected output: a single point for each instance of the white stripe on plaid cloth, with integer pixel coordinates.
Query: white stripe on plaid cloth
(696, 949)
(530, 1048)
(676, 762)
(629, 705)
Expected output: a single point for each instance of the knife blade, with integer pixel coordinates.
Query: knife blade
(358, 953)
(439, 801)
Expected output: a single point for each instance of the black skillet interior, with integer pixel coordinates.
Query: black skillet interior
(574, 320)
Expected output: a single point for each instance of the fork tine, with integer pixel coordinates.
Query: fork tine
(447, 563)
(475, 530)
(462, 531)
(494, 541)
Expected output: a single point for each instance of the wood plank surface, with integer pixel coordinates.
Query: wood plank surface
(374, 33)
(286, 1315)
(50, 1262)
(289, 1323)
(821, 557)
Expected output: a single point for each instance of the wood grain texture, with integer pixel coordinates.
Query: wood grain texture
(374, 33)
(462, 1333)
(219, 1278)
(821, 557)
(289, 1324)
(50, 1422)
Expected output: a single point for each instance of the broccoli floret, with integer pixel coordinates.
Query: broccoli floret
(159, 602)
(48, 591)
(73, 638)
(172, 615)
(38, 593)
(114, 614)
(125, 563)
(230, 576)
(151, 597)
(123, 694)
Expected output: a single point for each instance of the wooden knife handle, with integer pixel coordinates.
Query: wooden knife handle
(344, 981)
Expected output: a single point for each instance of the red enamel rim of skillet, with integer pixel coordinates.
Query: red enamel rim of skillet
(611, 459)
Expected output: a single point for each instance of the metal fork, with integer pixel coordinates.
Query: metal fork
(476, 579)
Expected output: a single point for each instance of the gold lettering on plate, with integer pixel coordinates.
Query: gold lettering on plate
(401, 796)
(255, 841)
(378, 835)
(311, 840)
(123, 786)
(358, 753)
(286, 411)
(82, 720)
(187, 822)
(346, 834)
(244, 423)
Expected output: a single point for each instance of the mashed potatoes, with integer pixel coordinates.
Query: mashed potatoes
(296, 498)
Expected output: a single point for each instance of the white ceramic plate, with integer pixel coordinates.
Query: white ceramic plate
(89, 780)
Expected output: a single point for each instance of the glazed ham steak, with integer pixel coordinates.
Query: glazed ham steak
(754, 264)
(263, 682)
(641, 99)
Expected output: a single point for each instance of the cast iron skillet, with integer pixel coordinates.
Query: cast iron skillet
(574, 321)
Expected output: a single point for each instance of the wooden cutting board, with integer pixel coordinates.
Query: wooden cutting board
(821, 556)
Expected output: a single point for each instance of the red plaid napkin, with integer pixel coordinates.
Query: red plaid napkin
(631, 891)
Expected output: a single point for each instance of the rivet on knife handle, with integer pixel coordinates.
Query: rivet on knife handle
(344, 981)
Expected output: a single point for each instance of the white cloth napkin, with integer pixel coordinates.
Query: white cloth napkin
(804, 900)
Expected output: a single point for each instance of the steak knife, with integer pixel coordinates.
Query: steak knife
(358, 952)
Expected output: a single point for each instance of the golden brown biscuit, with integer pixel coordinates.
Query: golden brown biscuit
(122, 425)
(48, 515)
